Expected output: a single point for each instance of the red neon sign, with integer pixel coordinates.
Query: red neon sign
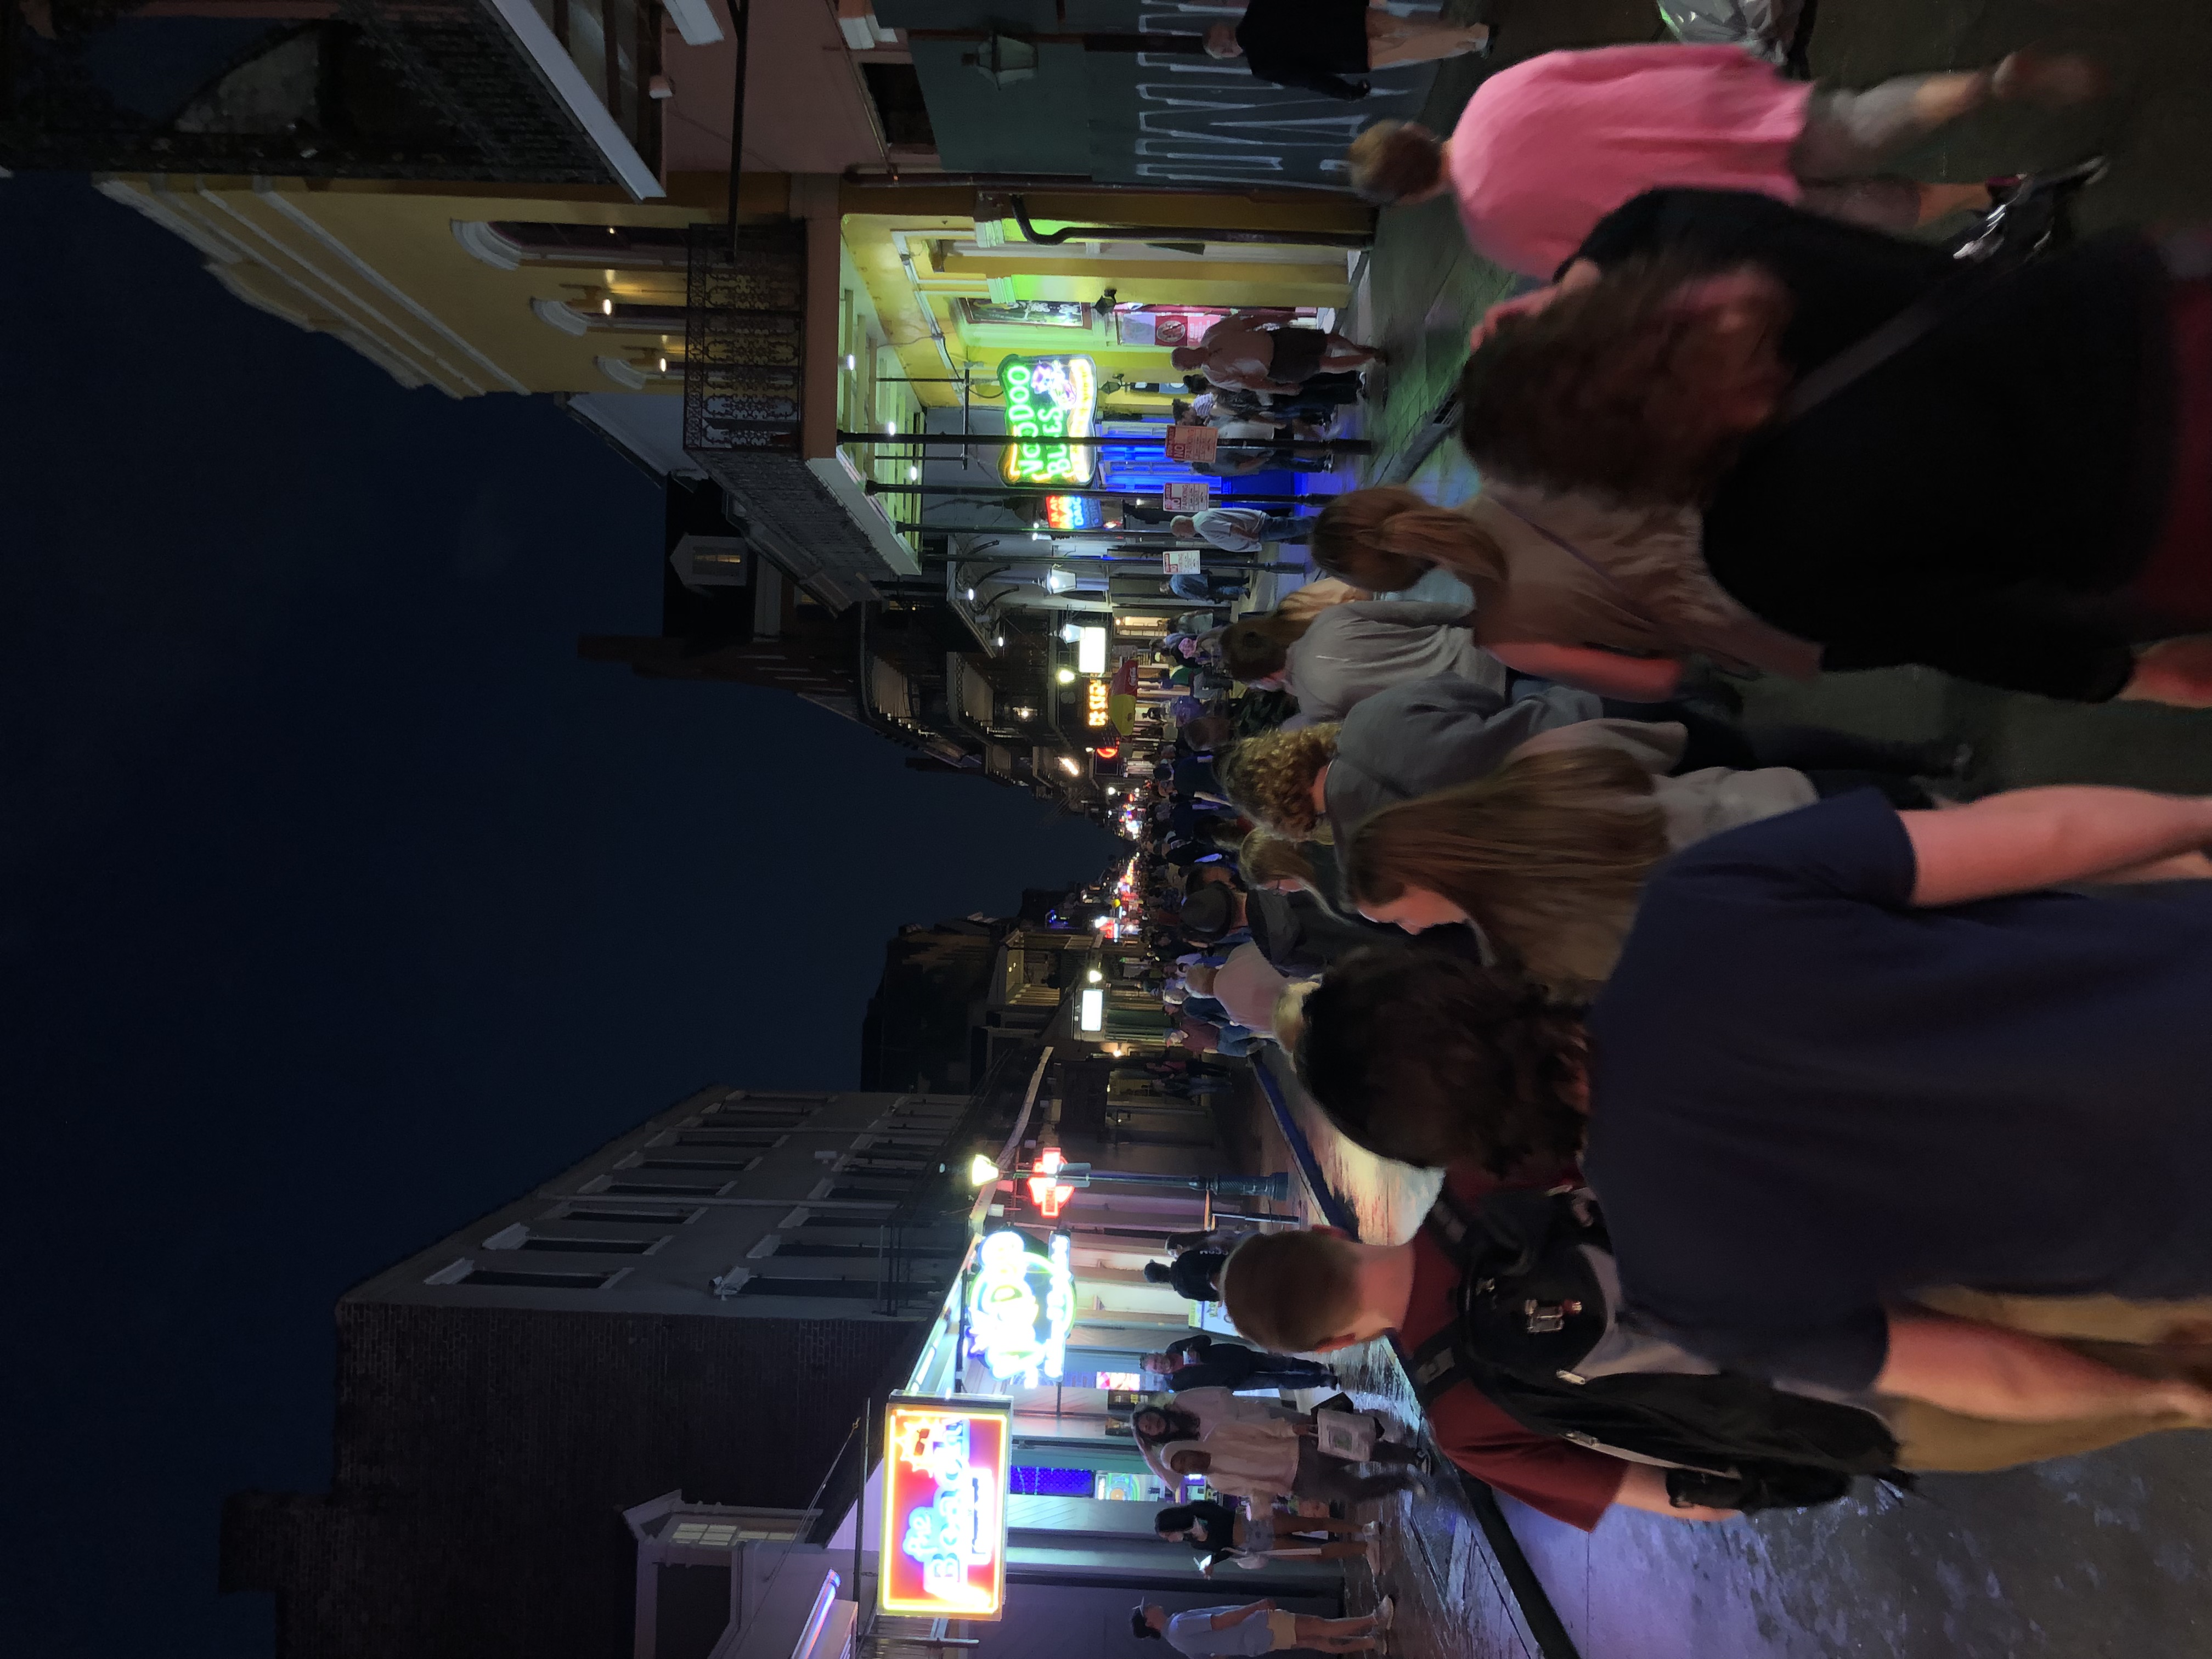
(943, 1543)
(1045, 1193)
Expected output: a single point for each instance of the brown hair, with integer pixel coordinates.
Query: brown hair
(1427, 1058)
(1621, 389)
(1260, 646)
(1386, 538)
(1264, 856)
(1270, 777)
(1290, 1293)
(1393, 159)
(1546, 855)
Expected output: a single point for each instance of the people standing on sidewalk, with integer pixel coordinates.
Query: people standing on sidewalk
(1249, 1540)
(1910, 995)
(1243, 530)
(1205, 1361)
(1547, 147)
(1347, 653)
(1315, 45)
(1269, 357)
(1697, 353)
(1261, 1627)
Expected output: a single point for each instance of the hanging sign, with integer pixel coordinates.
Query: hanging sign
(1193, 443)
(1048, 398)
(1183, 562)
(1073, 512)
(1186, 495)
(945, 1466)
(1021, 1306)
(1096, 696)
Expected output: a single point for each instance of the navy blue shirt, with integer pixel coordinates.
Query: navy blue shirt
(1809, 1098)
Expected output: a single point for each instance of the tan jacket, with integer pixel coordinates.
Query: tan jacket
(1627, 580)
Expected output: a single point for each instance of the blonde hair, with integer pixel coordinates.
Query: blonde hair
(1387, 537)
(1270, 777)
(1546, 855)
(1289, 1018)
(1290, 1293)
(1264, 856)
(1393, 159)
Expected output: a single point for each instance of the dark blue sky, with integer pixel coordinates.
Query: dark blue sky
(338, 900)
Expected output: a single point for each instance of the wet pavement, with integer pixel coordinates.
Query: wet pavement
(2093, 1558)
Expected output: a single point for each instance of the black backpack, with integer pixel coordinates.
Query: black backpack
(1532, 1306)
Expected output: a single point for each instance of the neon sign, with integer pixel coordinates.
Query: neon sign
(1048, 398)
(1095, 694)
(1073, 512)
(1046, 1191)
(944, 1509)
(1021, 1306)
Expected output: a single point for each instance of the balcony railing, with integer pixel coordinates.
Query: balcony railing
(432, 90)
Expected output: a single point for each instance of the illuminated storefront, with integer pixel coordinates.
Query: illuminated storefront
(1048, 398)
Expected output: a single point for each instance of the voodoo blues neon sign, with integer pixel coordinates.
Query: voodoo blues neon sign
(944, 1508)
(1048, 398)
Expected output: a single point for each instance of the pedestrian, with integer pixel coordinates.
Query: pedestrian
(1410, 740)
(1261, 1627)
(1278, 863)
(1219, 1534)
(1244, 530)
(1545, 148)
(1909, 995)
(1591, 594)
(1547, 855)
(1206, 587)
(1689, 357)
(1270, 356)
(1345, 654)
(1191, 1273)
(1316, 45)
(1204, 1361)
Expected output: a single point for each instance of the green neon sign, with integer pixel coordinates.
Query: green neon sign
(1048, 398)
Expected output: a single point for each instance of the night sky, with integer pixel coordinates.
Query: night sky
(338, 901)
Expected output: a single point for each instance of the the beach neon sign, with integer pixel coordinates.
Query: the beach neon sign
(1048, 398)
(944, 1508)
(1021, 1307)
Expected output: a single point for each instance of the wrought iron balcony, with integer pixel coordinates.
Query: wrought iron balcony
(382, 89)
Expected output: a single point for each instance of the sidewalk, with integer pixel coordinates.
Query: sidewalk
(2092, 1557)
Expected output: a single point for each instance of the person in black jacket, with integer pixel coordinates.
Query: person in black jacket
(1201, 1362)
(1192, 1273)
(1314, 45)
(2018, 494)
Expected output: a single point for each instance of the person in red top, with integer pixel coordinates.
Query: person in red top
(1318, 1291)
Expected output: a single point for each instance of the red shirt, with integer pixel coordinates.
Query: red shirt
(1567, 1482)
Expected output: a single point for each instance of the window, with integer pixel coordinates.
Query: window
(509, 243)
(516, 1278)
(863, 1192)
(665, 1188)
(736, 1164)
(763, 1138)
(723, 1534)
(848, 1289)
(896, 91)
(590, 1246)
(645, 1215)
(1034, 313)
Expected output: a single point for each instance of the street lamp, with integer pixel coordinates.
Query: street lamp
(982, 1172)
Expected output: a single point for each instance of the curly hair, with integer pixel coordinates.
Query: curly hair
(1261, 646)
(1546, 855)
(1270, 778)
(1427, 1058)
(1625, 389)
(1393, 159)
(1386, 538)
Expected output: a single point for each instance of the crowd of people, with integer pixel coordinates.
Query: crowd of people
(1803, 1117)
